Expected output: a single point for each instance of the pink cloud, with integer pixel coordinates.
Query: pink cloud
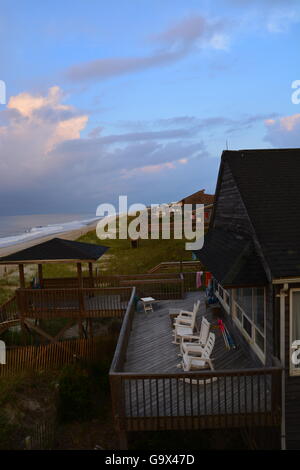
(284, 131)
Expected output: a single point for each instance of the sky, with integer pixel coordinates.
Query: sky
(138, 97)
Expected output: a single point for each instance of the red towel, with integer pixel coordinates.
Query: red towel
(208, 277)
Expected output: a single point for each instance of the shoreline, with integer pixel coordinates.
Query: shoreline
(69, 235)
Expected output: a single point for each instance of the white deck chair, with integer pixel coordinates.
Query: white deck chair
(184, 317)
(184, 330)
(195, 343)
(199, 362)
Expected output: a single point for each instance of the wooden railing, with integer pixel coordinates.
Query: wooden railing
(73, 303)
(9, 310)
(159, 285)
(195, 400)
(72, 282)
(178, 266)
(189, 280)
(159, 289)
(191, 400)
(121, 348)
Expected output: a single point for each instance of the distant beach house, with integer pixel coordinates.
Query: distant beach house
(199, 197)
(253, 251)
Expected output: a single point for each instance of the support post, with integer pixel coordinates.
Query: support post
(80, 299)
(40, 274)
(91, 275)
(22, 302)
(22, 276)
(118, 409)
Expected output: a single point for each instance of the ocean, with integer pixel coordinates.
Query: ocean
(21, 228)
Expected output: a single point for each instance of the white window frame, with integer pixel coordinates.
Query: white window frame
(293, 371)
(251, 339)
(223, 296)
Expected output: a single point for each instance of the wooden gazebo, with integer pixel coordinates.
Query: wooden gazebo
(72, 298)
(56, 250)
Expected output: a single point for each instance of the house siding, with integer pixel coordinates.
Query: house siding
(230, 212)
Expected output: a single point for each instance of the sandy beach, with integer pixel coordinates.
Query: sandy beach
(70, 235)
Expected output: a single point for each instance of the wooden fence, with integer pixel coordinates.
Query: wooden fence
(73, 302)
(54, 355)
(177, 266)
(158, 289)
(41, 437)
(158, 285)
(108, 297)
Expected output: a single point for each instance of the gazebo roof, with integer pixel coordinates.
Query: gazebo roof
(56, 250)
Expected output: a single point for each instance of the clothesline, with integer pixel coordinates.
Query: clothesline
(203, 278)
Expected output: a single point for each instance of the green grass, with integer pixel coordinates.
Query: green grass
(123, 259)
(5, 294)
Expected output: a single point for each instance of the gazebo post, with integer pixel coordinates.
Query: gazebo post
(21, 301)
(91, 276)
(80, 298)
(90, 321)
(22, 276)
(40, 273)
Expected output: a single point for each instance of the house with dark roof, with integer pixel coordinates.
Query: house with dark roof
(200, 197)
(253, 251)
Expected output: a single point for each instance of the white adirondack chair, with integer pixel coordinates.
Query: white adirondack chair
(187, 320)
(195, 343)
(184, 329)
(199, 362)
(185, 317)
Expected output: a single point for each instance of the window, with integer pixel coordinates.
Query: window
(249, 313)
(294, 331)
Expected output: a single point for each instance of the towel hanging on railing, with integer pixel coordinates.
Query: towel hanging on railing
(199, 279)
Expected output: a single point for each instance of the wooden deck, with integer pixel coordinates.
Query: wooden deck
(150, 347)
(149, 392)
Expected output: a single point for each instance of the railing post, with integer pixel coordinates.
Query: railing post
(118, 409)
(182, 285)
(276, 394)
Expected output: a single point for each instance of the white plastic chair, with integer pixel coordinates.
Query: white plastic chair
(195, 343)
(199, 362)
(185, 317)
(184, 330)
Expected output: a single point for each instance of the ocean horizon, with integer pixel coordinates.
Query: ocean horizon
(20, 228)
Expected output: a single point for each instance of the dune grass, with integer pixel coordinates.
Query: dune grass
(121, 258)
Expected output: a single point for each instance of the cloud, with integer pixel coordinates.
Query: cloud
(26, 104)
(276, 16)
(190, 126)
(33, 128)
(281, 20)
(46, 163)
(175, 43)
(284, 131)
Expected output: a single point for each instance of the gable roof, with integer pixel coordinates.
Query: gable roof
(269, 184)
(199, 197)
(56, 249)
(232, 259)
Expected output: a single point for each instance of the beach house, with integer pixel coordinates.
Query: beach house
(253, 251)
